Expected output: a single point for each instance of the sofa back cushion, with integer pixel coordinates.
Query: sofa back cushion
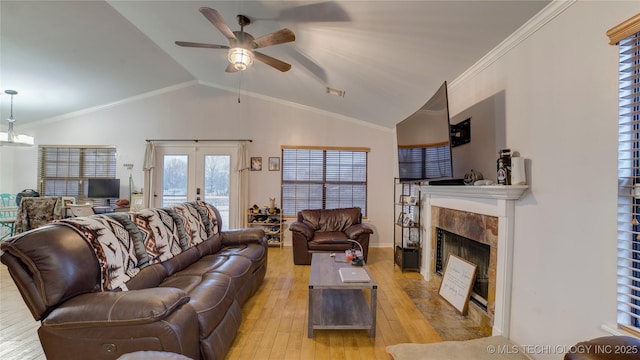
(332, 219)
(120, 255)
(195, 228)
(125, 244)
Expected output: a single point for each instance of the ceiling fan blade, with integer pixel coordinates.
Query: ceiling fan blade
(216, 19)
(278, 37)
(231, 68)
(273, 62)
(200, 45)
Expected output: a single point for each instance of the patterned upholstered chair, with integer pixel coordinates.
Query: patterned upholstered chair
(35, 212)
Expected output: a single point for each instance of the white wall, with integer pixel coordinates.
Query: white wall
(203, 112)
(560, 89)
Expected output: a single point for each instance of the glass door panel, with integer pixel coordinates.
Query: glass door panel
(197, 173)
(216, 178)
(174, 179)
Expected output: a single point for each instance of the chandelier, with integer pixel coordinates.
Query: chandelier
(11, 137)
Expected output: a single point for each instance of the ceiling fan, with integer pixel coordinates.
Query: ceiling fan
(242, 45)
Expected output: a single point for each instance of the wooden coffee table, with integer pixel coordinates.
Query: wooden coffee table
(337, 305)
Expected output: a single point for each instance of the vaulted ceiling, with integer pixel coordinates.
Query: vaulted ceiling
(65, 57)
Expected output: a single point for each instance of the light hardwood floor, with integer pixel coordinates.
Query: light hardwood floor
(274, 319)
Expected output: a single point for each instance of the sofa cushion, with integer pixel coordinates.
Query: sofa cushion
(207, 214)
(117, 308)
(114, 247)
(253, 252)
(160, 233)
(210, 295)
(192, 223)
(328, 237)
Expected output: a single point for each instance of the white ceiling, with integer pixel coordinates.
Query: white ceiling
(389, 56)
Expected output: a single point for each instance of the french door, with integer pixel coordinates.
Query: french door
(188, 173)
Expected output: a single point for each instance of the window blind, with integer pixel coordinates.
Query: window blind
(323, 178)
(429, 162)
(628, 248)
(63, 170)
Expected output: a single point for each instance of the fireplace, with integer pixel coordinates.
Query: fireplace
(473, 237)
(474, 252)
(484, 214)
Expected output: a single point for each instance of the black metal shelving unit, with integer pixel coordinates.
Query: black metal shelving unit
(407, 234)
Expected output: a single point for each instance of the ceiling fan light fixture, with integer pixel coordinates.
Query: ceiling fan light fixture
(11, 137)
(240, 58)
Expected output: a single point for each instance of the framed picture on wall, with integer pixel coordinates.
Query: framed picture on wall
(274, 164)
(256, 163)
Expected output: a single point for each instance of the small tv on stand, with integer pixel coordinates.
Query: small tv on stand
(103, 188)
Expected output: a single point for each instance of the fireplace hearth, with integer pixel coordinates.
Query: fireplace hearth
(474, 252)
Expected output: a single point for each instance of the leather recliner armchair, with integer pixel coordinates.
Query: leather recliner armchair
(325, 230)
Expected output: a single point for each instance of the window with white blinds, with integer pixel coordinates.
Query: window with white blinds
(428, 162)
(628, 270)
(63, 170)
(323, 178)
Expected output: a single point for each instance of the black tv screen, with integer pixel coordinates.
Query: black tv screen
(424, 146)
(103, 188)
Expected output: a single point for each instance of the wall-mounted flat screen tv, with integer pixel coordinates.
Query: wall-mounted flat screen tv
(103, 188)
(424, 146)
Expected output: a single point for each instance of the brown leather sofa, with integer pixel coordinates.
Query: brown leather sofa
(323, 230)
(606, 348)
(165, 280)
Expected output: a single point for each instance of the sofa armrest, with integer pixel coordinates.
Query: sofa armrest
(305, 230)
(356, 230)
(117, 308)
(605, 348)
(242, 236)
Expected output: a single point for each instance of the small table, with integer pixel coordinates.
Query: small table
(337, 305)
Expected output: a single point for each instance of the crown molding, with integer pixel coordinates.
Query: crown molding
(548, 13)
(92, 109)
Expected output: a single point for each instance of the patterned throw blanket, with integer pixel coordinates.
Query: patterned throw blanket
(125, 243)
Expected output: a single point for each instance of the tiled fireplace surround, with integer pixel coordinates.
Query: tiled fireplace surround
(484, 214)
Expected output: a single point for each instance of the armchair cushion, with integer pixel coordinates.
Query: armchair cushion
(330, 220)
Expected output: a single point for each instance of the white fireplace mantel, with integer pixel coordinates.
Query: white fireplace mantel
(492, 200)
(502, 192)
